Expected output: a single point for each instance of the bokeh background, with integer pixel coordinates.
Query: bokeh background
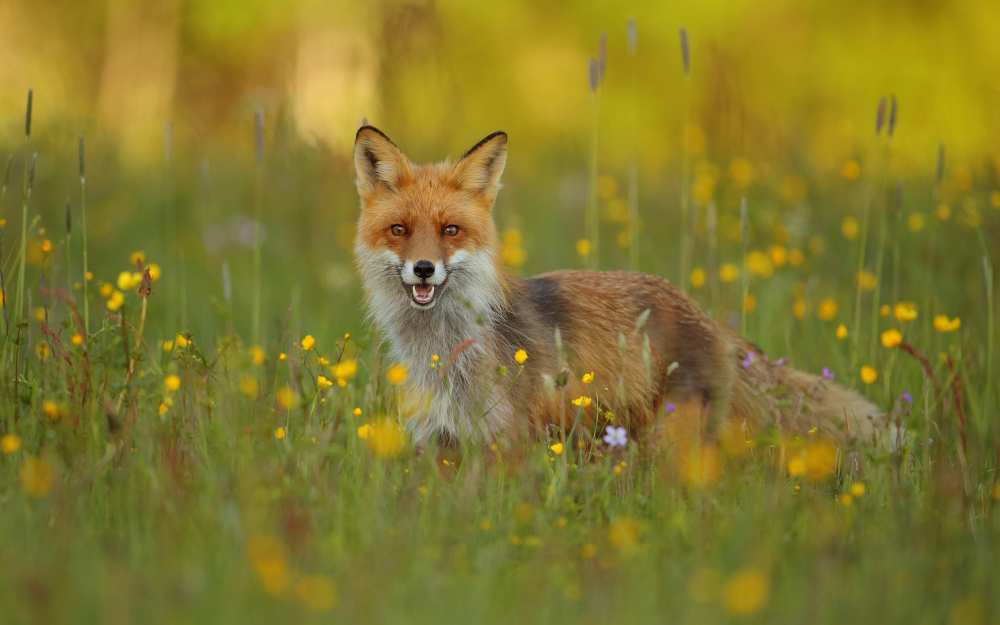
(779, 94)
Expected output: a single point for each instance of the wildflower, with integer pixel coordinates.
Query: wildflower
(316, 592)
(905, 311)
(364, 431)
(728, 273)
(42, 350)
(884, 310)
(267, 556)
(249, 386)
(137, 258)
(742, 173)
(282, 356)
(915, 222)
(52, 410)
(396, 374)
(308, 342)
(46, 246)
(520, 356)
(164, 406)
(115, 301)
(181, 341)
(943, 212)
(168, 346)
(697, 277)
(796, 466)
(701, 467)
(583, 401)
(588, 551)
(587, 377)
(172, 382)
(257, 355)
(817, 461)
(748, 360)
(435, 361)
(39, 313)
(556, 448)
(287, 398)
(891, 338)
(356, 412)
(779, 255)
(386, 439)
(76, 339)
(749, 303)
(799, 308)
(619, 468)
(867, 281)
(615, 436)
(155, 272)
(105, 290)
(868, 374)
(906, 397)
(850, 228)
(796, 257)
(841, 332)
(850, 170)
(322, 382)
(344, 370)
(128, 280)
(943, 324)
(827, 309)
(858, 489)
(746, 592)
(845, 500)
(10, 443)
(827, 374)
(583, 248)
(623, 534)
(279, 433)
(759, 264)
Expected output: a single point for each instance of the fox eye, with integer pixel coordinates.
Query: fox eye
(398, 230)
(451, 230)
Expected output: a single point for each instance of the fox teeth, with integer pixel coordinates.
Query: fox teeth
(425, 299)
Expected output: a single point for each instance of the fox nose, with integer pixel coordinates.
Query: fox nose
(423, 268)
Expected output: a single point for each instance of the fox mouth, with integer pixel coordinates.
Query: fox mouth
(424, 296)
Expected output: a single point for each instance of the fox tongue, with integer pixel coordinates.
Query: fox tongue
(423, 293)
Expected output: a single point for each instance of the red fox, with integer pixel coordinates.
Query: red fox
(497, 355)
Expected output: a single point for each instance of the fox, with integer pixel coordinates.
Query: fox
(491, 355)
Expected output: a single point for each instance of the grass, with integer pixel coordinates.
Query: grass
(170, 466)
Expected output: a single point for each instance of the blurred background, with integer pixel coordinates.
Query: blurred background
(778, 96)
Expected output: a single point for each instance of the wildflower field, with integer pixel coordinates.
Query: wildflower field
(197, 424)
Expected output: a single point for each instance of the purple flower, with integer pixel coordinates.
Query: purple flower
(906, 397)
(669, 407)
(827, 374)
(748, 360)
(615, 437)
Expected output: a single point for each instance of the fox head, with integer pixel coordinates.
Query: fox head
(426, 240)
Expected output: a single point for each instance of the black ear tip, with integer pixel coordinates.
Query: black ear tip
(499, 135)
(369, 128)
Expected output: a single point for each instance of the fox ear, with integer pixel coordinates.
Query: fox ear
(479, 169)
(378, 161)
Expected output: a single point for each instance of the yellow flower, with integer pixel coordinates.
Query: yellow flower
(799, 308)
(172, 382)
(891, 338)
(52, 410)
(396, 374)
(282, 356)
(749, 303)
(155, 272)
(884, 310)
(115, 301)
(46, 246)
(700, 467)
(741, 171)
(845, 500)
(164, 406)
(128, 280)
(697, 277)
(858, 489)
(582, 401)
(779, 255)
(759, 264)
(76, 339)
(943, 212)
(364, 431)
(137, 258)
(841, 332)
(267, 555)
(42, 350)
(906, 311)
(796, 257)
(386, 439)
(915, 222)
(867, 280)
(624, 533)
(249, 386)
(308, 342)
(868, 374)
(287, 398)
(344, 370)
(588, 551)
(556, 448)
(587, 377)
(322, 382)
(39, 313)
(797, 466)
(168, 346)
(943, 324)
(850, 170)
(728, 273)
(746, 592)
(850, 228)
(181, 341)
(88, 276)
(583, 248)
(356, 412)
(279, 433)
(257, 355)
(827, 309)
(10, 443)
(105, 290)
(37, 477)
(316, 592)
(520, 356)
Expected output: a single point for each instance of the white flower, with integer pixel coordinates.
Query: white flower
(615, 437)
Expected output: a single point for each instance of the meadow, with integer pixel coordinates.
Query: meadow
(197, 424)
